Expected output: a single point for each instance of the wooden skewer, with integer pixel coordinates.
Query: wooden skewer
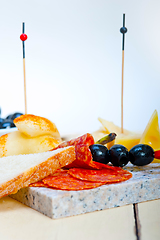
(25, 92)
(23, 37)
(123, 30)
(122, 92)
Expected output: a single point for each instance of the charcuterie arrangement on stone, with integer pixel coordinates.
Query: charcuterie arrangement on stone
(90, 165)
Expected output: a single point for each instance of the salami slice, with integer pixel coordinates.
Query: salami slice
(84, 160)
(86, 139)
(107, 166)
(102, 175)
(83, 157)
(38, 184)
(42, 184)
(97, 165)
(83, 153)
(64, 181)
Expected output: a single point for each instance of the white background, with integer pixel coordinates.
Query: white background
(73, 61)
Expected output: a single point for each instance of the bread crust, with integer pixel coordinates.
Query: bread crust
(38, 172)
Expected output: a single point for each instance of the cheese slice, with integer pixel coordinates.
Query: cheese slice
(151, 134)
(127, 138)
(111, 127)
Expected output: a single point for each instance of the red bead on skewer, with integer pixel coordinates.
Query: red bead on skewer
(157, 154)
(23, 37)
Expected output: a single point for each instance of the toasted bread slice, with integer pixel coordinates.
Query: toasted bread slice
(21, 170)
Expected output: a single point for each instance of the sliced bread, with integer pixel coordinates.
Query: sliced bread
(19, 171)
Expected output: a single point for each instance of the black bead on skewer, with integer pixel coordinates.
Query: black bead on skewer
(23, 37)
(123, 30)
(23, 31)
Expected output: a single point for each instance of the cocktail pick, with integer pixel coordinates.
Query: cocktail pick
(24, 37)
(123, 30)
(106, 139)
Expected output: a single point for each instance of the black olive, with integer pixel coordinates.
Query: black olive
(13, 116)
(141, 154)
(1, 120)
(119, 155)
(9, 116)
(7, 124)
(99, 153)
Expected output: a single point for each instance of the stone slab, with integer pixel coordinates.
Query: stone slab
(143, 186)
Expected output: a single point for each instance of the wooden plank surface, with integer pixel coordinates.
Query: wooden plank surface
(21, 222)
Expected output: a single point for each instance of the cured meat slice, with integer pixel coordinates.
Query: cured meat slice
(86, 139)
(98, 165)
(83, 153)
(42, 184)
(64, 181)
(102, 175)
(83, 157)
(84, 160)
(38, 184)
